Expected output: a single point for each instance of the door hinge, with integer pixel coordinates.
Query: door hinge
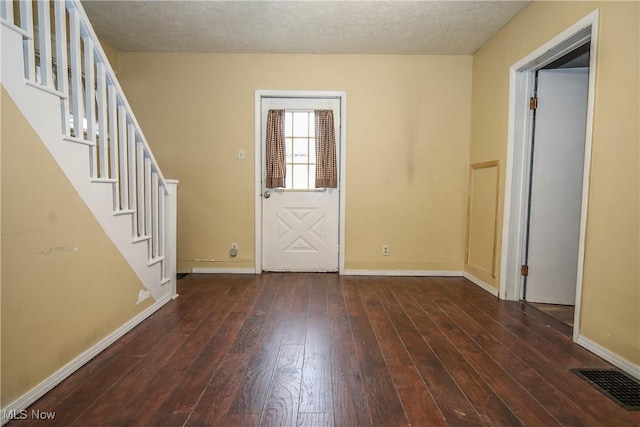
(533, 103)
(524, 270)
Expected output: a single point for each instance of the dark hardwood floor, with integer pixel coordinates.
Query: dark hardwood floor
(324, 350)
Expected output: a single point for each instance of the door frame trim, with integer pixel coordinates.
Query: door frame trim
(259, 95)
(521, 83)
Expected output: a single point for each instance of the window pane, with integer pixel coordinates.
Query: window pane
(300, 178)
(288, 178)
(288, 123)
(288, 150)
(312, 150)
(312, 176)
(300, 150)
(300, 124)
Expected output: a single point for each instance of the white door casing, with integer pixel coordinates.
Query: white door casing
(521, 87)
(300, 228)
(556, 185)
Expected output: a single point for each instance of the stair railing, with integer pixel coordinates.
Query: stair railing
(63, 56)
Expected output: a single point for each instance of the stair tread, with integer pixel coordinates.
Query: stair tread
(155, 260)
(78, 140)
(124, 212)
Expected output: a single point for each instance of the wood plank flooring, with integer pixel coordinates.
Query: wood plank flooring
(563, 313)
(323, 350)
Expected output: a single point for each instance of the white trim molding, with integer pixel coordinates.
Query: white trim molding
(518, 147)
(221, 270)
(405, 273)
(24, 401)
(473, 279)
(614, 359)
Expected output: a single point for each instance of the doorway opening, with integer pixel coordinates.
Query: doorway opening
(520, 192)
(555, 184)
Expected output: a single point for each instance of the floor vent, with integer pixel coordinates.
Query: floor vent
(620, 387)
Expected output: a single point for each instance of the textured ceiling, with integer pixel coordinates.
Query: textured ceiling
(428, 27)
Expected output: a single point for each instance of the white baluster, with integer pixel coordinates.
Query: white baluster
(114, 155)
(77, 105)
(103, 155)
(133, 177)
(123, 130)
(26, 22)
(90, 104)
(44, 32)
(147, 196)
(147, 202)
(140, 190)
(61, 62)
(154, 214)
(7, 11)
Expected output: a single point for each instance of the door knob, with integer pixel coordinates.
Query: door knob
(267, 194)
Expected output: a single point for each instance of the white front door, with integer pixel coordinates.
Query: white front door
(556, 185)
(300, 222)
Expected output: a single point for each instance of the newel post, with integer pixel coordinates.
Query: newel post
(171, 236)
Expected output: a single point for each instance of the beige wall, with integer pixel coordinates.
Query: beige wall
(483, 203)
(64, 284)
(113, 56)
(407, 148)
(610, 314)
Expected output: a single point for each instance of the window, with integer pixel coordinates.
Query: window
(300, 149)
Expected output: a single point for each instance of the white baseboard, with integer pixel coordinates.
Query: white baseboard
(419, 273)
(415, 273)
(24, 401)
(493, 291)
(614, 359)
(223, 270)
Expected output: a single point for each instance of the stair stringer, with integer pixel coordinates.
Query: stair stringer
(42, 109)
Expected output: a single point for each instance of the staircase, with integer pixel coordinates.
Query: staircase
(63, 84)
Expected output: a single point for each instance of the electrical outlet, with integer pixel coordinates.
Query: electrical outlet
(233, 252)
(385, 250)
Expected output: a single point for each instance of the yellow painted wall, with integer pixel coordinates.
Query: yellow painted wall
(407, 149)
(610, 311)
(481, 241)
(113, 56)
(65, 286)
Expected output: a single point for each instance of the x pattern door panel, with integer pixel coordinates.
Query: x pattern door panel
(301, 230)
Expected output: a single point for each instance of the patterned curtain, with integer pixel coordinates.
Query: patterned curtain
(326, 170)
(275, 149)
